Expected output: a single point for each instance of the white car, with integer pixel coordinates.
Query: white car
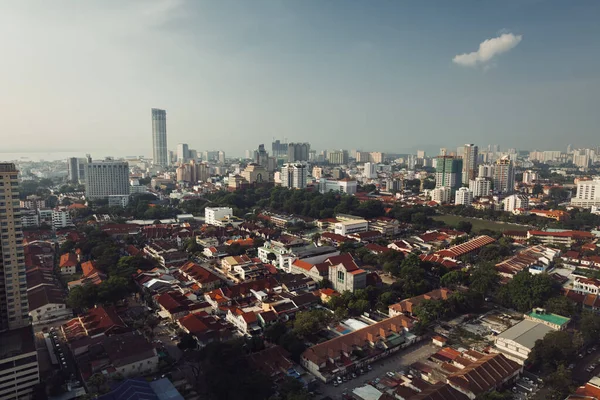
(391, 374)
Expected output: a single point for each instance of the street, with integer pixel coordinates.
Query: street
(397, 362)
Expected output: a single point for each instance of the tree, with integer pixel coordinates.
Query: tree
(316, 237)
(97, 381)
(526, 291)
(274, 332)
(310, 322)
(589, 327)
(325, 284)
(560, 305)
(537, 189)
(187, 342)
(67, 246)
(484, 279)
(557, 348)
(82, 297)
(560, 381)
(113, 290)
(464, 226)
(453, 279)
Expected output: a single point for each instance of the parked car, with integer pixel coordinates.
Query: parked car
(391, 374)
(339, 379)
(353, 375)
(369, 367)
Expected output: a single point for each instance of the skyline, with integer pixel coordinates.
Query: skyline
(386, 76)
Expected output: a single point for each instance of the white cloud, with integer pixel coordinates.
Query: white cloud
(488, 49)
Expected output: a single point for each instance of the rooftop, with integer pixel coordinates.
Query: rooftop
(548, 317)
(526, 333)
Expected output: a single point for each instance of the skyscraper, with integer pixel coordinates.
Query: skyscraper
(14, 308)
(160, 154)
(76, 169)
(448, 172)
(470, 157)
(183, 153)
(261, 157)
(19, 371)
(106, 178)
(504, 175)
(298, 152)
(278, 149)
(294, 175)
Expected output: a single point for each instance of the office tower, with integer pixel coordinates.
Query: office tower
(448, 172)
(278, 149)
(76, 169)
(338, 157)
(294, 175)
(159, 137)
(193, 155)
(298, 152)
(470, 156)
(183, 153)
(261, 157)
(19, 371)
(464, 196)
(588, 193)
(480, 186)
(504, 175)
(106, 178)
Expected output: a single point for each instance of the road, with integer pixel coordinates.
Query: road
(397, 362)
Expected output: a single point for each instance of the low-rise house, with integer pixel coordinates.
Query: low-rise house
(206, 328)
(344, 274)
(68, 263)
(366, 237)
(493, 371)
(462, 249)
(586, 285)
(245, 322)
(565, 238)
(142, 389)
(408, 306)
(96, 321)
(205, 279)
(47, 303)
(344, 353)
(175, 305)
(314, 271)
(535, 259)
(554, 321)
(589, 391)
(402, 246)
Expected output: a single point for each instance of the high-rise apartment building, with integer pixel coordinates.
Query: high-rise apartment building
(14, 308)
(480, 186)
(504, 175)
(278, 149)
(529, 177)
(183, 153)
(294, 175)
(448, 172)
(470, 158)
(464, 196)
(338, 157)
(516, 201)
(193, 172)
(221, 157)
(485, 171)
(76, 169)
(588, 194)
(106, 178)
(19, 371)
(160, 155)
(298, 152)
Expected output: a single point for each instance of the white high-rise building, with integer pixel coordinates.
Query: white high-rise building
(61, 219)
(504, 175)
(463, 196)
(441, 194)
(183, 153)
(106, 178)
(529, 177)
(370, 170)
(294, 175)
(480, 187)
(516, 201)
(485, 171)
(588, 194)
(160, 155)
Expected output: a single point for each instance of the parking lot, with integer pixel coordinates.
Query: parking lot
(379, 368)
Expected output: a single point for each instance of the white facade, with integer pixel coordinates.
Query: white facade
(61, 219)
(480, 186)
(515, 201)
(343, 186)
(588, 193)
(370, 170)
(464, 197)
(504, 175)
(294, 175)
(182, 152)
(29, 218)
(212, 215)
(118, 200)
(441, 194)
(485, 171)
(351, 226)
(529, 177)
(106, 178)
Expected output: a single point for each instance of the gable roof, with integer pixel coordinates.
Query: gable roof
(484, 374)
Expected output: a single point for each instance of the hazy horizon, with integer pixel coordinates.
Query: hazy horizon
(378, 76)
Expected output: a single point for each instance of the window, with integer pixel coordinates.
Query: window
(340, 276)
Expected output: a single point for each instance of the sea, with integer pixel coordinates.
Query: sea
(53, 156)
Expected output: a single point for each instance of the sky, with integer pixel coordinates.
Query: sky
(380, 75)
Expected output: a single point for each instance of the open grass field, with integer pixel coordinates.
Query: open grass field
(479, 224)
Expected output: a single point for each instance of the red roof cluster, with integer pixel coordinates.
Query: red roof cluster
(467, 247)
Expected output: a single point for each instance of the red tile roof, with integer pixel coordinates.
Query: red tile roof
(484, 374)
(68, 260)
(467, 247)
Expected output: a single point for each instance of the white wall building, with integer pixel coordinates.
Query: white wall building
(343, 185)
(212, 215)
(515, 201)
(441, 194)
(294, 175)
(61, 219)
(106, 178)
(480, 186)
(29, 218)
(588, 194)
(463, 196)
(370, 170)
(351, 226)
(485, 171)
(516, 343)
(118, 200)
(529, 177)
